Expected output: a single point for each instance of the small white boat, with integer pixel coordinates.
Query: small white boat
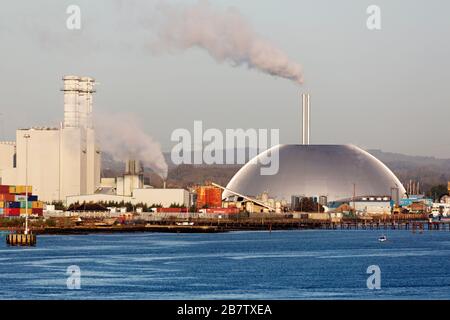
(382, 238)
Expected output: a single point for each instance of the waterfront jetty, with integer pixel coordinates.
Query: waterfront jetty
(67, 225)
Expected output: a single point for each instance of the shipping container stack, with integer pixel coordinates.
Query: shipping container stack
(13, 202)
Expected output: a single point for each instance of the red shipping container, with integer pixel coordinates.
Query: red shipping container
(171, 210)
(222, 210)
(38, 211)
(12, 212)
(4, 189)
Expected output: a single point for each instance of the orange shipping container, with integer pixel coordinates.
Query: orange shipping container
(23, 211)
(6, 197)
(37, 204)
(20, 189)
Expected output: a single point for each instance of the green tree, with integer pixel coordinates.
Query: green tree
(437, 191)
(176, 205)
(59, 205)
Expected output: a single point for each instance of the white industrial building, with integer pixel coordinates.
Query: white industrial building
(130, 188)
(62, 161)
(372, 205)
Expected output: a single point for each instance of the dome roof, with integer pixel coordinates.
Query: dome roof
(317, 170)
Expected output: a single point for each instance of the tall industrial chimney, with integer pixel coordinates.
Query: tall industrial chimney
(71, 112)
(78, 101)
(86, 89)
(133, 167)
(306, 118)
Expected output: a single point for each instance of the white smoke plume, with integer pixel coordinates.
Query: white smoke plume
(122, 136)
(224, 34)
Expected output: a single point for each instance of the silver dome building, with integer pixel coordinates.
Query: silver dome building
(336, 171)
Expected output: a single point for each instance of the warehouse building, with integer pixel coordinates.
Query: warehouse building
(58, 161)
(372, 205)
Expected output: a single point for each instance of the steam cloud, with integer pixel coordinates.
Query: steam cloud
(225, 35)
(122, 136)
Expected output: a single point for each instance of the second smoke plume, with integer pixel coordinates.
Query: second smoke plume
(121, 135)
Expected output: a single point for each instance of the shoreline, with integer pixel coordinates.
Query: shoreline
(208, 226)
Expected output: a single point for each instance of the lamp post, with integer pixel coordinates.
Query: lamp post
(354, 198)
(26, 136)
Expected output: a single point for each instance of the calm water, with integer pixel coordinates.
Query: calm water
(316, 264)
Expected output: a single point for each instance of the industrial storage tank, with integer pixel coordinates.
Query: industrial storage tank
(208, 196)
(338, 172)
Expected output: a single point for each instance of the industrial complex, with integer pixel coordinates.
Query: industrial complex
(57, 162)
(63, 165)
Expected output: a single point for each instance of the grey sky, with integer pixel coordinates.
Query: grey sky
(384, 89)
